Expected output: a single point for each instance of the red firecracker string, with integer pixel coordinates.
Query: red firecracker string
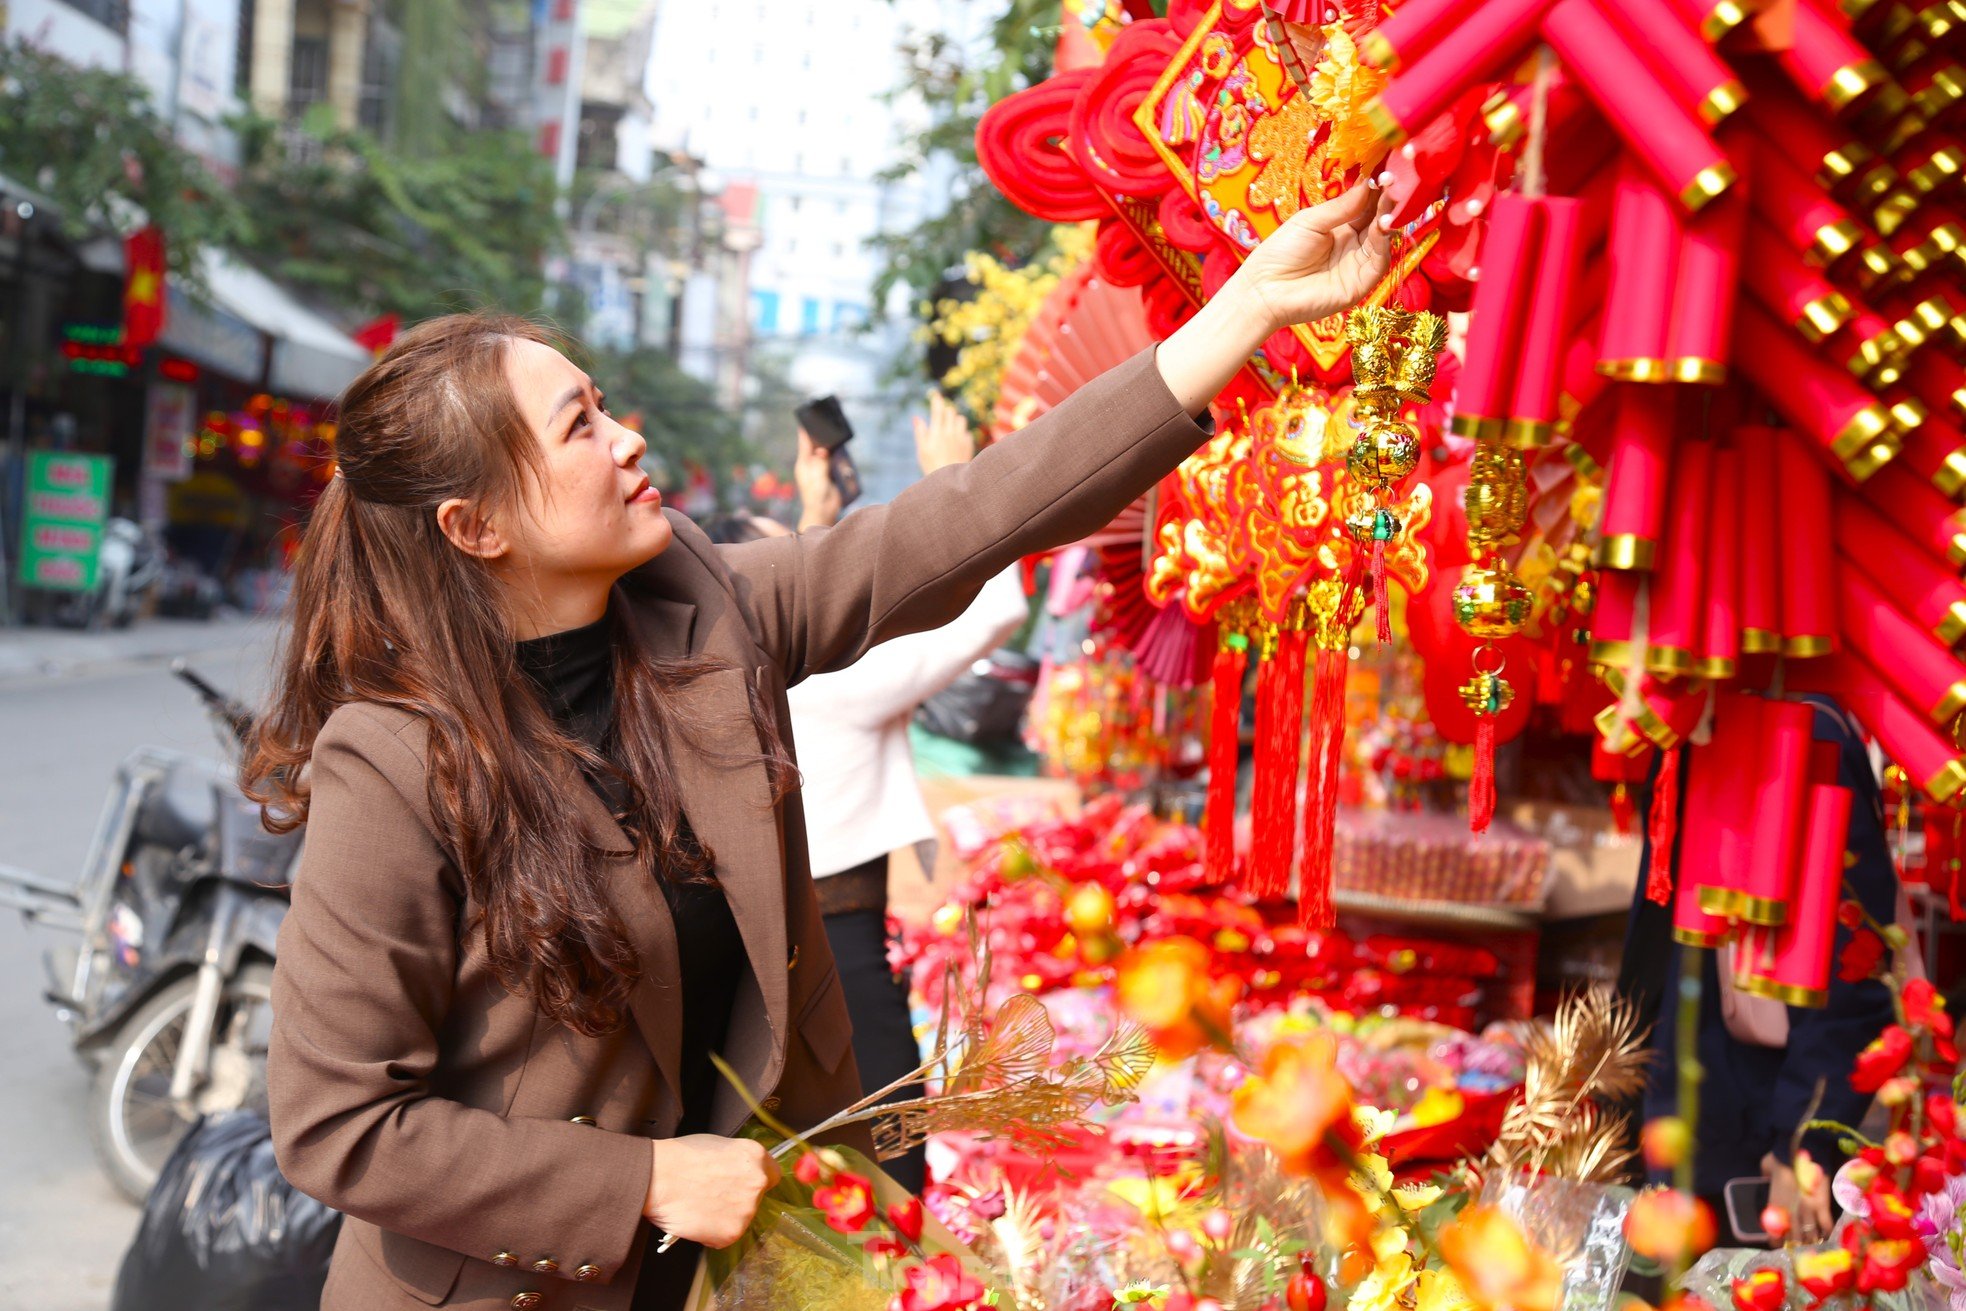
(1314, 907)
(1224, 731)
(1481, 786)
(1279, 749)
(1664, 829)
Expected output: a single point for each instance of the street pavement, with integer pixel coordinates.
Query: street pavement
(71, 706)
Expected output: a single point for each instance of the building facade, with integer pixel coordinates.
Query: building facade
(793, 98)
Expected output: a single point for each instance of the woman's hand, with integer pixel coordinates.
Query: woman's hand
(1323, 260)
(705, 1188)
(819, 496)
(944, 438)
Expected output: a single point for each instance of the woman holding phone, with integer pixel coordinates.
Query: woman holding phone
(536, 727)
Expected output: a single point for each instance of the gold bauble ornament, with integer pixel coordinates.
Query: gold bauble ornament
(1386, 451)
(1486, 694)
(1491, 602)
(1497, 498)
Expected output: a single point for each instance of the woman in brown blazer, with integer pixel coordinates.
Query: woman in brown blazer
(536, 726)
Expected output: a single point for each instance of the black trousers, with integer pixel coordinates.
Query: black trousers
(883, 1039)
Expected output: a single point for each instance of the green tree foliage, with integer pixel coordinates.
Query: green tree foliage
(91, 141)
(680, 417)
(957, 86)
(334, 211)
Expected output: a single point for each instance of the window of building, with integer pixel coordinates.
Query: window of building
(809, 315)
(112, 14)
(308, 81)
(242, 58)
(848, 315)
(764, 312)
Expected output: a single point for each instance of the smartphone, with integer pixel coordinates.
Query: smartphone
(1746, 1199)
(825, 422)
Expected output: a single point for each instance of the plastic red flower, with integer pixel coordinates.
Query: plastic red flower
(1850, 914)
(1861, 956)
(1942, 1113)
(880, 1245)
(1926, 1009)
(809, 1169)
(1764, 1290)
(1826, 1273)
(1885, 1056)
(1888, 1265)
(847, 1202)
(1892, 1215)
(906, 1216)
(937, 1284)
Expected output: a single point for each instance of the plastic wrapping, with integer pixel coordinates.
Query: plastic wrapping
(222, 1230)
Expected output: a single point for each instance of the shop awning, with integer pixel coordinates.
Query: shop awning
(312, 359)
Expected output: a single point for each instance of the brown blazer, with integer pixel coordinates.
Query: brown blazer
(488, 1158)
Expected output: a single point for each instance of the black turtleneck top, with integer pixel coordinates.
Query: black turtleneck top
(574, 672)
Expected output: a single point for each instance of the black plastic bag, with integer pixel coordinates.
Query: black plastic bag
(224, 1231)
(985, 705)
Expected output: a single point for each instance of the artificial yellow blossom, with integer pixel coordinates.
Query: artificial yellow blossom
(989, 327)
(1341, 87)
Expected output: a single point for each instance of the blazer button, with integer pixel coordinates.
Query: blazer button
(506, 1260)
(587, 1274)
(587, 1120)
(546, 1265)
(526, 1301)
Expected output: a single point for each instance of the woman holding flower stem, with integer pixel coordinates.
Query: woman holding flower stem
(537, 728)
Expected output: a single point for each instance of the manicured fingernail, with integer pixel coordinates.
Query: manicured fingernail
(1386, 178)
(1373, 184)
(1385, 223)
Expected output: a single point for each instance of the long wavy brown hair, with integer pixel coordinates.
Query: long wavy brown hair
(385, 609)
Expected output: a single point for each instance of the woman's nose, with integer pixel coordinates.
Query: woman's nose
(629, 446)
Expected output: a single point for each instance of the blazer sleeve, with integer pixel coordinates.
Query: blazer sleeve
(818, 600)
(895, 677)
(366, 967)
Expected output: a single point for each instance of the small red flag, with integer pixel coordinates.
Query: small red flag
(143, 287)
(376, 335)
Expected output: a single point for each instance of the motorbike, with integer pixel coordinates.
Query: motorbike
(167, 986)
(129, 565)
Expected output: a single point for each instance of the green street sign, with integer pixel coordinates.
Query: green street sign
(61, 532)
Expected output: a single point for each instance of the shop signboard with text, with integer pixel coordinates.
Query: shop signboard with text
(61, 531)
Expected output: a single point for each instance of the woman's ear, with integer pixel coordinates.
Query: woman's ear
(470, 529)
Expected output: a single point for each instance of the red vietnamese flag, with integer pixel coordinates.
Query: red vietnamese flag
(376, 335)
(143, 287)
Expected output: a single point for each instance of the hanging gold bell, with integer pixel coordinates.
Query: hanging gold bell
(1386, 451)
(1490, 602)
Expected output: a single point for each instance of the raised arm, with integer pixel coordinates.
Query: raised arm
(818, 600)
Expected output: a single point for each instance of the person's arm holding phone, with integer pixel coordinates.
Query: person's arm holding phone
(820, 502)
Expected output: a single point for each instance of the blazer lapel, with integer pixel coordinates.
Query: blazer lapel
(726, 796)
(656, 1002)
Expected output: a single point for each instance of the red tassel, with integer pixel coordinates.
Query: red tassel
(1314, 907)
(1379, 593)
(1481, 786)
(1624, 814)
(1664, 831)
(1224, 729)
(1279, 748)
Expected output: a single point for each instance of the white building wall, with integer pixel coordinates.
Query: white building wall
(793, 95)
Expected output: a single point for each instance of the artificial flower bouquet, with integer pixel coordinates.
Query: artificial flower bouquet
(838, 1234)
